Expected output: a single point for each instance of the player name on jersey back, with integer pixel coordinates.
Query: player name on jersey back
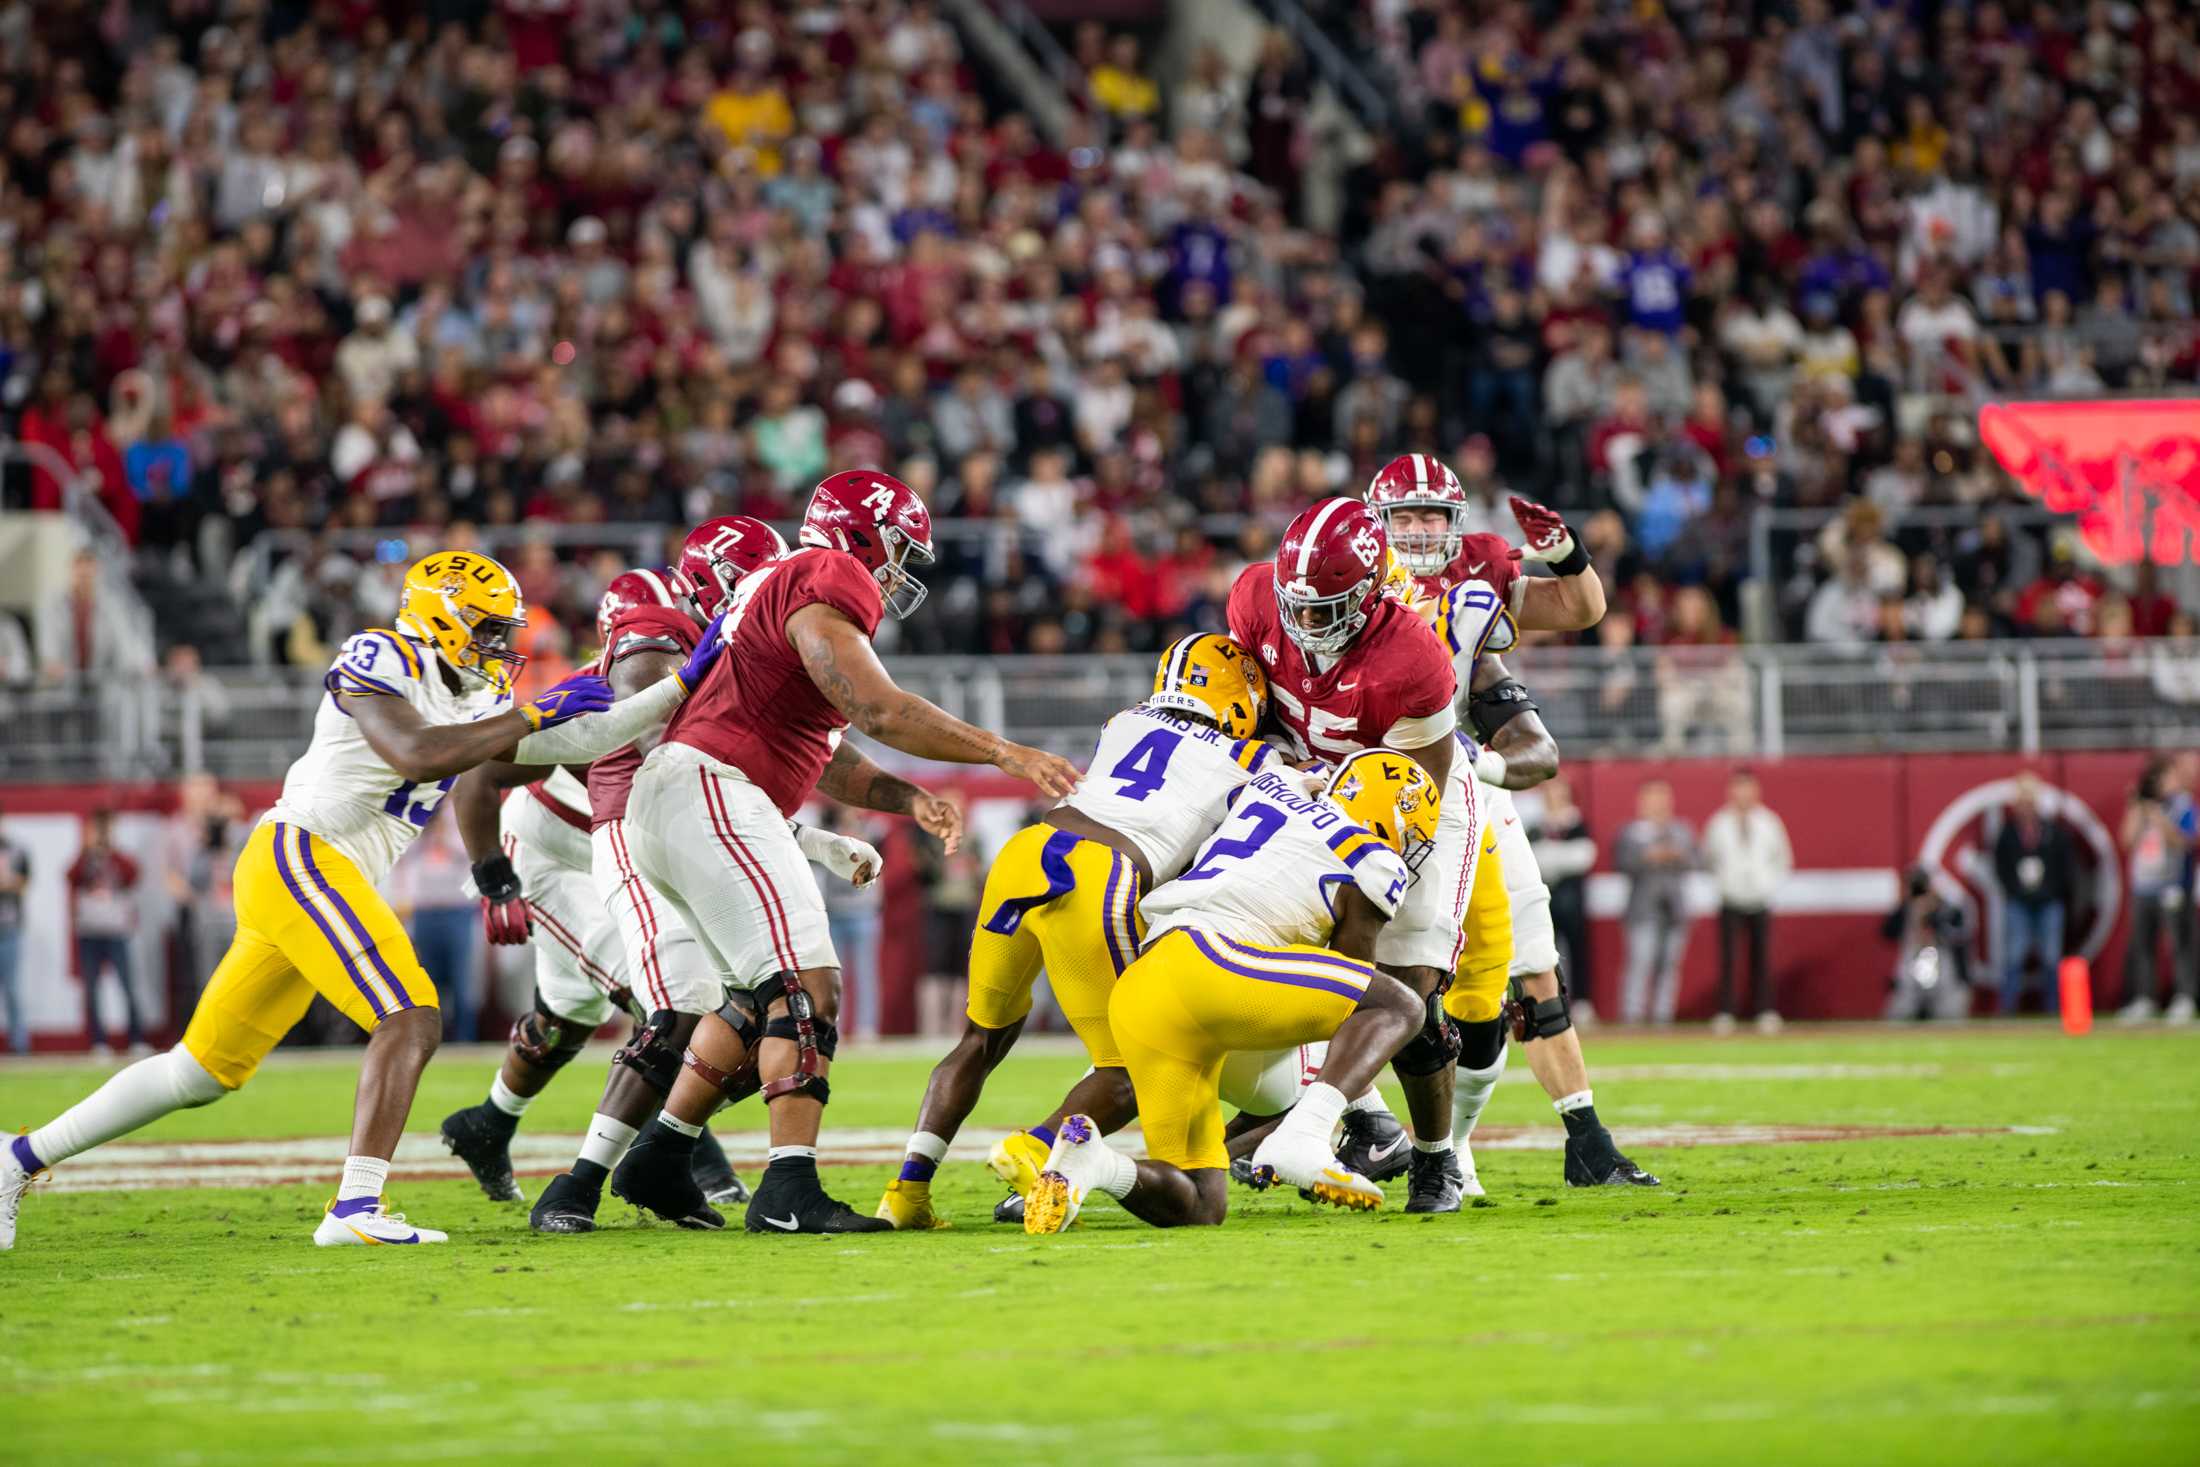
(1163, 782)
(1269, 874)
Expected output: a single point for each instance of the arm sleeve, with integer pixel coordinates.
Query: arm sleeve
(593, 735)
(1408, 734)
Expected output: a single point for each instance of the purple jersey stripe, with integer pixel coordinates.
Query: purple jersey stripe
(359, 928)
(1293, 980)
(1277, 955)
(405, 654)
(1108, 911)
(298, 894)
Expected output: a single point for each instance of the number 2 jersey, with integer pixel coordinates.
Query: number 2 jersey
(340, 789)
(1270, 874)
(1163, 782)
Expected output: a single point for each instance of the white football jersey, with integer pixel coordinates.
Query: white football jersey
(1471, 619)
(1269, 875)
(1164, 782)
(340, 789)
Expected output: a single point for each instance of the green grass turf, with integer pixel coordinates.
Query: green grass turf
(1949, 1299)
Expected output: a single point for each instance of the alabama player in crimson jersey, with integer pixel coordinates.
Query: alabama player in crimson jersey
(707, 825)
(1350, 668)
(1423, 509)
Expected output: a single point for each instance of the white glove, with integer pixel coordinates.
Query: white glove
(854, 861)
(1489, 767)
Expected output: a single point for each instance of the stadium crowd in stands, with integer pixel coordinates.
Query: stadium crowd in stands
(267, 265)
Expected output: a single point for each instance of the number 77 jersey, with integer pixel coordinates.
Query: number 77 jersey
(1269, 876)
(1163, 782)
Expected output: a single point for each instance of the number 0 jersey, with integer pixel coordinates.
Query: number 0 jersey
(340, 789)
(1269, 875)
(1470, 603)
(1163, 782)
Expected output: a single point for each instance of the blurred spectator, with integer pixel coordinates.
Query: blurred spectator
(201, 846)
(1655, 851)
(1932, 938)
(15, 878)
(2033, 866)
(1745, 847)
(1702, 681)
(103, 914)
(2157, 838)
(433, 884)
(85, 634)
(852, 914)
(1566, 852)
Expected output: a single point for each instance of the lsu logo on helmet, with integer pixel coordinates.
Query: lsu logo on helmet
(468, 607)
(1212, 677)
(1391, 797)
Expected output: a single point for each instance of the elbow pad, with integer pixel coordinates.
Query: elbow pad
(1497, 705)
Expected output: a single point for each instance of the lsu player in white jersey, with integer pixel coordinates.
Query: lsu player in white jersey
(405, 711)
(1064, 894)
(1266, 941)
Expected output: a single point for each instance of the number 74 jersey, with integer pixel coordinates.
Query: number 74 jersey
(340, 789)
(1269, 876)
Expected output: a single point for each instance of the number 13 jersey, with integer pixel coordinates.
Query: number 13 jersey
(340, 789)
(1270, 874)
(1163, 782)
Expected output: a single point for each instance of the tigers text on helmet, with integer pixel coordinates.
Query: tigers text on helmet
(1420, 481)
(641, 587)
(1214, 678)
(1329, 574)
(881, 522)
(469, 607)
(718, 553)
(1390, 796)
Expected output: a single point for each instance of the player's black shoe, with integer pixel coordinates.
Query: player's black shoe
(658, 1176)
(1436, 1184)
(1374, 1145)
(1010, 1210)
(481, 1137)
(791, 1199)
(1594, 1160)
(714, 1174)
(567, 1205)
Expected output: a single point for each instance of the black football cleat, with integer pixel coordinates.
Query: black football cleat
(1593, 1160)
(1437, 1183)
(1375, 1145)
(790, 1199)
(658, 1177)
(1010, 1210)
(566, 1206)
(481, 1137)
(1244, 1173)
(714, 1174)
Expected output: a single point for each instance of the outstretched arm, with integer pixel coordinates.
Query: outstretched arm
(839, 660)
(854, 780)
(424, 752)
(1571, 598)
(1517, 750)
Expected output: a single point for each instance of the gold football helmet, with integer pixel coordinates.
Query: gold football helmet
(469, 607)
(1390, 796)
(1212, 676)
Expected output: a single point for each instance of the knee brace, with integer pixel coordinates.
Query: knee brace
(1538, 1018)
(742, 1014)
(815, 1041)
(546, 1041)
(654, 1051)
(1436, 1046)
(1481, 1044)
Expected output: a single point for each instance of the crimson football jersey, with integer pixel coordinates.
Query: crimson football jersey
(1472, 600)
(757, 708)
(1485, 558)
(635, 629)
(1395, 670)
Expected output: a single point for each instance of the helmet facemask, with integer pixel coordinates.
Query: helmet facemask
(489, 654)
(1323, 625)
(903, 592)
(1425, 552)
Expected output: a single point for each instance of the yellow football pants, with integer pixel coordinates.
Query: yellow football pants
(1069, 904)
(1477, 992)
(307, 923)
(1192, 999)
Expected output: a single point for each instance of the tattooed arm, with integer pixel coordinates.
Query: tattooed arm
(839, 660)
(854, 780)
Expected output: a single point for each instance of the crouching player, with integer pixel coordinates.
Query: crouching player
(1268, 941)
(1064, 893)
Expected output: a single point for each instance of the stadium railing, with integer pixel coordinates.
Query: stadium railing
(2015, 696)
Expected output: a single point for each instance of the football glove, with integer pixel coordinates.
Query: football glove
(504, 918)
(852, 860)
(700, 661)
(1549, 538)
(581, 693)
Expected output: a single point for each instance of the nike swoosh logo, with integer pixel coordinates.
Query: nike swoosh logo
(787, 1224)
(1347, 687)
(1512, 819)
(1381, 1152)
(1476, 568)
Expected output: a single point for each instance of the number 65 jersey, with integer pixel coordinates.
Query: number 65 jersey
(1163, 782)
(1270, 875)
(340, 789)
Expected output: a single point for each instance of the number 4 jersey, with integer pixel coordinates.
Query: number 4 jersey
(1163, 782)
(340, 789)
(1270, 874)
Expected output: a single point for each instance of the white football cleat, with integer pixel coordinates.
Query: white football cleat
(1073, 1168)
(1470, 1185)
(2180, 1010)
(14, 1182)
(373, 1228)
(1305, 1163)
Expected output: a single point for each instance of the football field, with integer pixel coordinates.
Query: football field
(1873, 1246)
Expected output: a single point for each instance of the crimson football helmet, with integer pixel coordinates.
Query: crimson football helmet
(881, 522)
(1329, 574)
(718, 553)
(1420, 481)
(644, 587)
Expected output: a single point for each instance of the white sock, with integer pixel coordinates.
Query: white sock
(932, 1148)
(781, 1153)
(1118, 1173)
(1371, 1103)
(1470, 1093)
(670, 1121)
(363, 1177)
(169, 1081)
(1320, 1106)
(506, 1099)
(607, 1140)
(1579, 1100)
(1441, 1143)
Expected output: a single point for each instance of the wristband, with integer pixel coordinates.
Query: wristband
(1576, 561)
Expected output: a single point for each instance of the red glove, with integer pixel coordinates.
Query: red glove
(504, 918)
(1549, 538)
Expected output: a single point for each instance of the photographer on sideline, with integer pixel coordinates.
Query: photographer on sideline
(1932, 967)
